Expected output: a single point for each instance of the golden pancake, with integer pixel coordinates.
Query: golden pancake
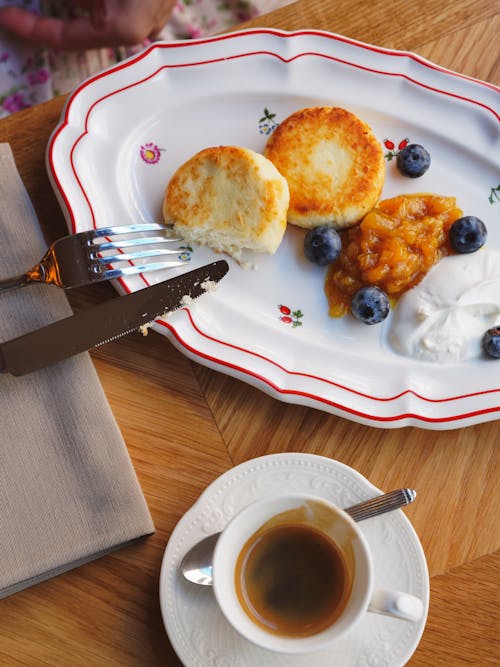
(228, 198)
(333, 163)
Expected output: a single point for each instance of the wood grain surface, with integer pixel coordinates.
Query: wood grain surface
(184, 424)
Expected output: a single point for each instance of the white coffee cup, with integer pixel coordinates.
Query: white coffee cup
(323, 516)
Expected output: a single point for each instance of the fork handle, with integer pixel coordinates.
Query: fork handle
(19, 281)
(38, 274)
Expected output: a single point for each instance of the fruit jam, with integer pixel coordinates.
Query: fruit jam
(393, 248)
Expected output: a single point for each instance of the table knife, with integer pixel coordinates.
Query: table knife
(104, 322)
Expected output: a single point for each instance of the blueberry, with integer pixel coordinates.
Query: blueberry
(322, 245)
(467, 234)
(491, 342)
(370, 305)
(413, 160)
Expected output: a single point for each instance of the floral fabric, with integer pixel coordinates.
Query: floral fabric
(30, 75)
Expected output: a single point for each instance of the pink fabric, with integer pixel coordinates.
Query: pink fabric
(30, 75)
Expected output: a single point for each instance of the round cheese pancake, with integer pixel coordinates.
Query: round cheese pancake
(333, 163)
(228, 198)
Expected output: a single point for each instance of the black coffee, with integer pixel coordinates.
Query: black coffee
(292, 580)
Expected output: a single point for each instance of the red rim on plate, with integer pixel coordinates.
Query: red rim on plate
(455, 114)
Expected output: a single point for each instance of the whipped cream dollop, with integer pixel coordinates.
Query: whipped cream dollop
(446, 315)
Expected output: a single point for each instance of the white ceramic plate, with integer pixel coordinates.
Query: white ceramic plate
(196, 627)
(124, 132)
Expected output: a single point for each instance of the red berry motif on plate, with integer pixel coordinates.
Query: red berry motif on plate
(289, 316)
(392, 152)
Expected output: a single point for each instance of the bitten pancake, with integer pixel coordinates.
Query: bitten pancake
(333, 163)
(228, 198)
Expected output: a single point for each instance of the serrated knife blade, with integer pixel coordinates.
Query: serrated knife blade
(104, 322)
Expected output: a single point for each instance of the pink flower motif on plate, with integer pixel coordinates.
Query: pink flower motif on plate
(150, 153)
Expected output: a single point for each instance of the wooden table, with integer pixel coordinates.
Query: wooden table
(185, 425)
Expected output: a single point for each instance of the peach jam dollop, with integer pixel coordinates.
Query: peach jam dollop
(393, 248)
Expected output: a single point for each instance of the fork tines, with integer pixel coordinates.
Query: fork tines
(106, 246)
(130, 229)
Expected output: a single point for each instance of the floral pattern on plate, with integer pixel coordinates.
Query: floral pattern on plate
(189, 95)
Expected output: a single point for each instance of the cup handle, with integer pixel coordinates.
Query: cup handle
(396, 604)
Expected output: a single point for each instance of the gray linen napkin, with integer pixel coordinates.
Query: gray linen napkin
(68, 492)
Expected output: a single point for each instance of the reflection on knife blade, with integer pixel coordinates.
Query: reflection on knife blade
(105, 322)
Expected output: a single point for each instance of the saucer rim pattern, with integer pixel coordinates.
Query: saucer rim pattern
(205, 517)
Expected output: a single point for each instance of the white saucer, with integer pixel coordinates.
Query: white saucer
(197, 629)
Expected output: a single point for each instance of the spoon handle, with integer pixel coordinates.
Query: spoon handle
(381, 504)
(196, 565)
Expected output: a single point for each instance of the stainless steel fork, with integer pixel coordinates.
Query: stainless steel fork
(86, 257)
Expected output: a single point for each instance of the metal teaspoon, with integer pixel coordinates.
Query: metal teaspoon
(196, 566)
